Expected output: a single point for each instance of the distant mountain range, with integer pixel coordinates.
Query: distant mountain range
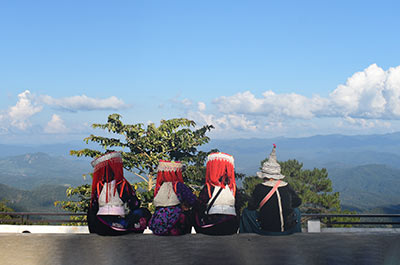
(367, 187)
(32, 170)
(365, 169)
(329, 151)
(39, 199)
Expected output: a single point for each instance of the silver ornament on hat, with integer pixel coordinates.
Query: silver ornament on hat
(271, 168)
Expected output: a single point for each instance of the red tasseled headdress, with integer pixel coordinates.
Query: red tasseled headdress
(168, 171)
(107, 167)
(220, 170)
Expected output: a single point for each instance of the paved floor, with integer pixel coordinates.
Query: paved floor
(305, 248)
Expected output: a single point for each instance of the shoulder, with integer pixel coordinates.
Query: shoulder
(272, 183)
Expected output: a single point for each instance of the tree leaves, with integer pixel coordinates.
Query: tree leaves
(142, 147)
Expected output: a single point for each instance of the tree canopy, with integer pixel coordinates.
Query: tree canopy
(143, 146)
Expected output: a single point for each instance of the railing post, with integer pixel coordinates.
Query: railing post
(314, 226)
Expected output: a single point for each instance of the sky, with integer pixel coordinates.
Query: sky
(250, 68)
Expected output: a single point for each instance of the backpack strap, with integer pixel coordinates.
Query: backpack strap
(209, 190)
(269, 195)
(214, 199)
(98, 187)
(122, 189)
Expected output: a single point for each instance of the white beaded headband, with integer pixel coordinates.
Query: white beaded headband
(170, 166)
(220, 156)
(115, 156)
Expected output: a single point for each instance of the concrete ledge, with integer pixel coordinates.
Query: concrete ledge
(240, 249)
(53, 229)
(44, 229)
(59, 229)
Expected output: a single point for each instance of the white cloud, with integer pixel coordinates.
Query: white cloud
(370, 94)
(84, 103)
(368, 101)
(274, 106)
(224, 122)
(363, 95)
(20, 113)
(364, 123)
(186, 102)
(201, 106)
(55, 125)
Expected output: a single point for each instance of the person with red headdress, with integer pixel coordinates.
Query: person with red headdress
(114, 208)
(173, 200)
(217, 210)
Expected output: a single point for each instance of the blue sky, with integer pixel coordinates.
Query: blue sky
(250, 68)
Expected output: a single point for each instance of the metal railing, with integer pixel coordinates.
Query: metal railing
(331, 222)
(32, 218)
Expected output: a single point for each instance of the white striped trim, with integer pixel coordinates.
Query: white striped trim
(280, 211)
(116, 155)
(221, 156)
(169, 166)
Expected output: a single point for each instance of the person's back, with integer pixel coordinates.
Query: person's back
(273, 206)
(277, 214)
(114, 208)
(217, 211)
(172, 199)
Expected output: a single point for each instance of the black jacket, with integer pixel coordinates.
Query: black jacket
(270, 214)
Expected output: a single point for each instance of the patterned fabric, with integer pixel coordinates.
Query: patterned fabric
(112, 225)
(135, 221)
(172, 220)
(185, 194)
(164, 219)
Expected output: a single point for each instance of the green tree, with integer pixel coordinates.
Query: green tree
(5, 208)
(79, 202)
(142, 147)
(313, 186)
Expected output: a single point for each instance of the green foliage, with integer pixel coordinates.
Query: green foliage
(313, 186)
(79, 202)
(142, 147)
(5, 208)
(194, 175)
(39, 199)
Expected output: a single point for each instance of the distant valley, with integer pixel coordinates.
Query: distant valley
(39, 199)
(28, 171)
(364, 169)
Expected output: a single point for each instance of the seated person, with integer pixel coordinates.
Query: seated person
(275, 201)
(216, 212)
(114, 207)
(172, 200)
